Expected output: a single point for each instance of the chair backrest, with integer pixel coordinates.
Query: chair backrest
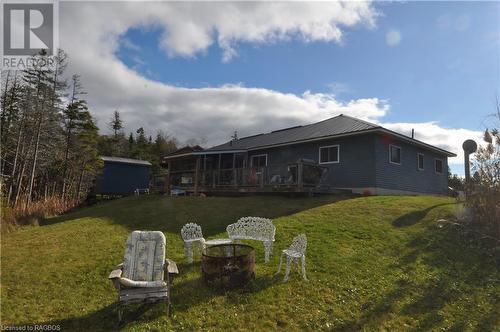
(144, 256)
(252, 228)
(191, 232)
(299, 243)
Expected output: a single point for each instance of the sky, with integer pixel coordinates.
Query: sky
(199, 71)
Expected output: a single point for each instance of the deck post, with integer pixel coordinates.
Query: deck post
(218, 170)
(262, 170)
(300, 169)
(234, 170)
(196, 175)
(167, 179)
(204, 169)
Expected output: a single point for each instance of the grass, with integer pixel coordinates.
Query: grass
(374, 263)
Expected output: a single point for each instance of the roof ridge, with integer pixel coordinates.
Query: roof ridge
(288, 128)
(332, 117)
(124, 160)
(363, 121)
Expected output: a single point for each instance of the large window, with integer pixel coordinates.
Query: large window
(329, 154)
(259, 160)
(438, 166)
(420, 161)
(395, 154)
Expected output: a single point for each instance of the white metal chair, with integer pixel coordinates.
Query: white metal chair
(296, 251)
(191, 233)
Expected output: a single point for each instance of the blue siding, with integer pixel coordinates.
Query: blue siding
(407, 176)
(122, 179)
(364, 162)
(355, 169)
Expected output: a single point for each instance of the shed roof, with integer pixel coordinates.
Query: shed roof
(126, 161)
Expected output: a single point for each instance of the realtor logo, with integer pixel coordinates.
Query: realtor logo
(27, 29)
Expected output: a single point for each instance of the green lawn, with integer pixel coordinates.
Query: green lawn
(374, 263)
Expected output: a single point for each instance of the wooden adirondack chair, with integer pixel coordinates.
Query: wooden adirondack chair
(144, 276)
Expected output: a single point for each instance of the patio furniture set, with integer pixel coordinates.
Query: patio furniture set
(145, 274)
(248, 228)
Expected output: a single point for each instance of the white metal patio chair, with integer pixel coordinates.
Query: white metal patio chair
(296, 251)
(191, 233)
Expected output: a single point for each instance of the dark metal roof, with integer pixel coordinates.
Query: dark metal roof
(126, 161)
(338, 125)
(182, 152)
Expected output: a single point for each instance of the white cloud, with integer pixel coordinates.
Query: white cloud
(393, 37)
(188, 30)
(92, 32)
(446, 138)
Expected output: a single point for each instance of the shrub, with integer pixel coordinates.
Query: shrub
(483, 191)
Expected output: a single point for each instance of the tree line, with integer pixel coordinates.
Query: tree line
(136, 145)
(50, 143)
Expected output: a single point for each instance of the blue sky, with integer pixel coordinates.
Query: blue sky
(187, 70)
(445, 67)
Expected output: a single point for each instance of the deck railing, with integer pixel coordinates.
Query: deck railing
(291, 175)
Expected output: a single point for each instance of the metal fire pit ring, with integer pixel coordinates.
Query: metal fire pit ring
(228, 265)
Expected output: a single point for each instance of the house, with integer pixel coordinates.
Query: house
(340, 153)
(122, 176)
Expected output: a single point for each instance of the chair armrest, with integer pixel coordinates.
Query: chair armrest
(171, 267)
(116, 273)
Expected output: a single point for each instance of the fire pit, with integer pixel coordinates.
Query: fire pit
(229, 265)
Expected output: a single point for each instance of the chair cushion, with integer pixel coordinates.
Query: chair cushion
(144, 256)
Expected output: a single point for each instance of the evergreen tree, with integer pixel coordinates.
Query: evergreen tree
(76, 117)
(141, 145)
(116, 124)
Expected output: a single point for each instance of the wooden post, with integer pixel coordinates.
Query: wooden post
(218, 170)
(300, 168)
(196, 175)
(234, 170)
(245, 170)
(167, 179)
(467, 167)
(204, 170)
(262, 177)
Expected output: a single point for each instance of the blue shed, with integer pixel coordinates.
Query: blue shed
(122, 176)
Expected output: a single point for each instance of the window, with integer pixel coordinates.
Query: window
(438, 166)
(420, 161)
(329, 154)
(259, 160)
(395, 154)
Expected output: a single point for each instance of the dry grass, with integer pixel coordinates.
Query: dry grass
(33, 213)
